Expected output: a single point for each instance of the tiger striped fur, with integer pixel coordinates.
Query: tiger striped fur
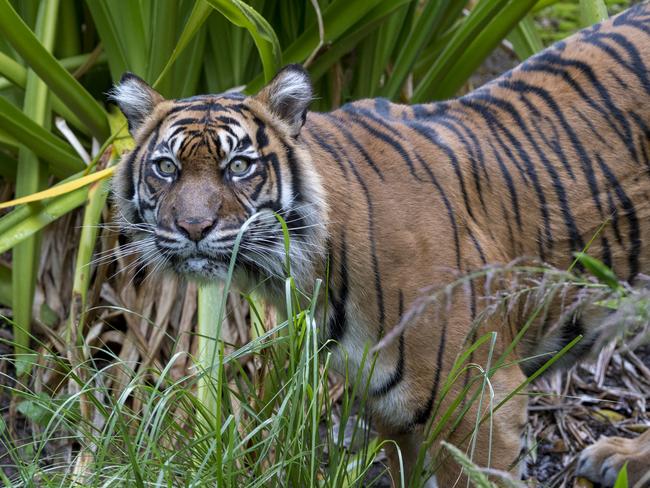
(398, 198)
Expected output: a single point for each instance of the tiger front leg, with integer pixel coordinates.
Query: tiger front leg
(602, 461)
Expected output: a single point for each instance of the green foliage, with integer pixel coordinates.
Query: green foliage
(621, 479)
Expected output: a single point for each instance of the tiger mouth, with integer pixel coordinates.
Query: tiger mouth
(201, 264)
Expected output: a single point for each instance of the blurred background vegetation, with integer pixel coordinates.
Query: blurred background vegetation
(58, 58)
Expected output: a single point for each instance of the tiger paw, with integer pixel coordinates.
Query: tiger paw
(602, 461)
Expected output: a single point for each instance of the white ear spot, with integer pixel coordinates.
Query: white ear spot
(135, 98)
(288, 96)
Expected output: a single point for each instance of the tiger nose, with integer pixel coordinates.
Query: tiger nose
(195, 228)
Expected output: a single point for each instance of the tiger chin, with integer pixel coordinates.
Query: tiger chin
(385, 200)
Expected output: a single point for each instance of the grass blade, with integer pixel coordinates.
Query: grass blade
(427, 26)
(116, 52)
(63, 160)
(23, 224)
(51, 72)
(266, 40)
(338, 17)
(525, 39)
(30, 178)
(61, 189)
(485, 27)
(200, 13)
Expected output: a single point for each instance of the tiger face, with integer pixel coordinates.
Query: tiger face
(207, 167)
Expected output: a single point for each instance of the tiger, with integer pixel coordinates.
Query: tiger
(384, 200)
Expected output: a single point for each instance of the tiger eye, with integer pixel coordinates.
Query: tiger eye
(238, 166)
(166, 167)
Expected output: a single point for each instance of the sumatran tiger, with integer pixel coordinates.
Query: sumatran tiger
(386, 200)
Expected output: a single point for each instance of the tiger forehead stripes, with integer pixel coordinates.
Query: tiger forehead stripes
(386, 200)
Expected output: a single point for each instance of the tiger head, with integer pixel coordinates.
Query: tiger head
(207, 167)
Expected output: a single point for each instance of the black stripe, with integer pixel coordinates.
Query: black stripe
(607, 253)
(340, 126)
(433, 137)
(296, 178)
(522, 87)
(260, 134)
(329, 149)
(554, 142)
(512, 190)
(451, 214)
(636, 66)
(477, 245)
(573, 233)
(385, 138)
(422, 414)
(338, 321)
(127, 179)
(398, 373)
(643, 139)
(634, 235)
(472, 158)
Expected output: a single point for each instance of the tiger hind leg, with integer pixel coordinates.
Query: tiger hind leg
(602, 461)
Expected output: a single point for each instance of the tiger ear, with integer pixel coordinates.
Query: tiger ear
(136, 99)
(288, 96)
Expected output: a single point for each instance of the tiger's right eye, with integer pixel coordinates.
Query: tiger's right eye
(165, 167)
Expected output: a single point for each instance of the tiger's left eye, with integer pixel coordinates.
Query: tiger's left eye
(238, 166)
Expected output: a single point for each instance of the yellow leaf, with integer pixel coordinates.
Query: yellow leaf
(610, 415)
(62, 189)
(122, 141)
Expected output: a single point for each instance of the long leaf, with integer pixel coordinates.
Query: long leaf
(198, 16)
(61, 189)
(15, 73)
(97, 195)
(263, 34)
(30, 178)
(486, 26)
(338, 17)
(71, 64)
(525, 39)
(427, 26)
(51, 72)
(13, 70)
(63, 161)
(592, 12)
(37, 217)
(117, 56)
(346, 43)
(163, 22)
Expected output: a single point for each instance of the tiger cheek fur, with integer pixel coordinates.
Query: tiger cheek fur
(397, 199)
